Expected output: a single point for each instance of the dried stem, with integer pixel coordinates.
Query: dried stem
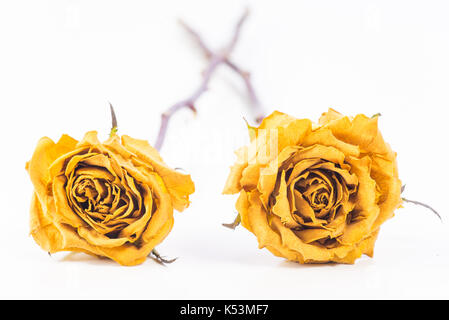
(189, 102)
(215, 59)
(425, 206)
(160, 259)
(246, 76)
(420, 204)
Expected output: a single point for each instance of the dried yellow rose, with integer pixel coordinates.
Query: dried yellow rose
(316, 193)
(113, 199)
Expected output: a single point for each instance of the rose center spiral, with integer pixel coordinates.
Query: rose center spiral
(96, 197)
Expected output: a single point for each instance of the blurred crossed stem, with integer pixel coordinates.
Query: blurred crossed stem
(215, 58)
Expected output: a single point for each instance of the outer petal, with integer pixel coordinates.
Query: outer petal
(323, 136)
(363, 132)
(267, 237)
(156, 227)
(179, 185)
(281, 208)
(97, 239)
(329, 116)
(318, 151)
(90, 139)
(242, 206)
(233, 182)
(365, 204)
(42, 229)
(385, 173)
(45, 154)
(275, 120)
(269, 174)
(290, 131)
(366, 246)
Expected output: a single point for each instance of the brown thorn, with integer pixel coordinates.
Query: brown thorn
(114, 121)
(113, 117)
(160, 259)
(234, 224)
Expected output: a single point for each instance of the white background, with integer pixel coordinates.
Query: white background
(62, 61)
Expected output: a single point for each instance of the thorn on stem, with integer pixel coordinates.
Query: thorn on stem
(259, 119)
(160, 259)
(192, 107)
(234, 224)
(114, 127)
